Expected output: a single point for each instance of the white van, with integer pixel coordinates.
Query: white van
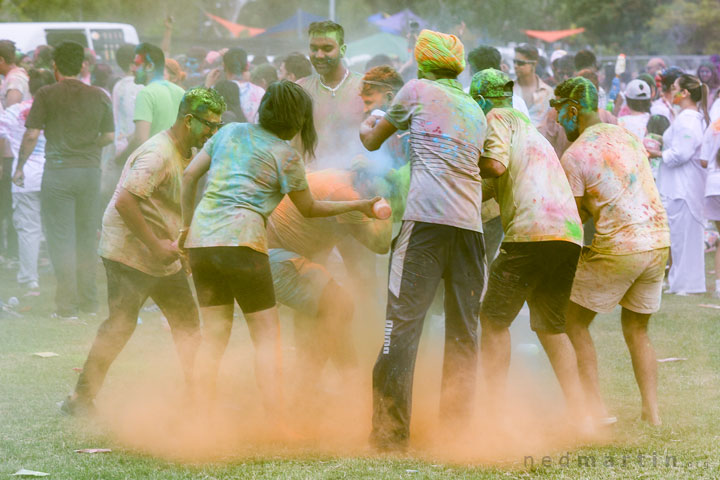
(103, 38)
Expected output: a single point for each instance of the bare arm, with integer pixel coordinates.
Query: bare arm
(139, 136)
(29, 142)
(375, 235)
(197, 168)
(105, 139)
(374, 132)
(491, 168)
(309, 207)
(128, 206)
(488, 190)
(12, 97)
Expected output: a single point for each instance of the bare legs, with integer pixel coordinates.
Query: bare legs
(495, 355)
(642, 354)
(635, 327)
(264, 329)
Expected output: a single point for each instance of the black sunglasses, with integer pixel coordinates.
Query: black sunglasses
(208, 123)
(524, 62)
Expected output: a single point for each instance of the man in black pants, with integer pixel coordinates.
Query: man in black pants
(139, 249)
(440, 238)
(78, 122)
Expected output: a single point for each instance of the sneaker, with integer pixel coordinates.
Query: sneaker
(32, 286)
(58, 316)
(77, 407)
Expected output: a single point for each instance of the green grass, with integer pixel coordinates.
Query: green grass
(136, 423)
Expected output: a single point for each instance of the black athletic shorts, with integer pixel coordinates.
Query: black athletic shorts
(540, 273)
(224, 274)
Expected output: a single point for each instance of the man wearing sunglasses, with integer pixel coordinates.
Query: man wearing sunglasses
(534, 91)
(139, 248)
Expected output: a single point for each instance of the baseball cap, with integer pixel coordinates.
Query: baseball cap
(557, 54)
(491, 83)
(637, 90)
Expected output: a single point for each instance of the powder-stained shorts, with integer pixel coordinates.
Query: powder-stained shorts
(540, 273)
(298, 282)
(226, 274)
(634, 281)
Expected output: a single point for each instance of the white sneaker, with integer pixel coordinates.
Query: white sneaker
(33, 286)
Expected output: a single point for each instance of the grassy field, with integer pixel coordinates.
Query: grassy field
(152, 437)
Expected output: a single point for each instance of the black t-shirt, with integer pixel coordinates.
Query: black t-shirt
(72, 116)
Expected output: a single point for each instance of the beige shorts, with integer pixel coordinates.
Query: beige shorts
(634, 281)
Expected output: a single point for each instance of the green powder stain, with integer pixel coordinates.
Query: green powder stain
(574, 229)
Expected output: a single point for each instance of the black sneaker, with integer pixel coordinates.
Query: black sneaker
(77, 407)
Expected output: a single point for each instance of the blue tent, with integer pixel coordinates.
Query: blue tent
(298, 23)
(396, 24)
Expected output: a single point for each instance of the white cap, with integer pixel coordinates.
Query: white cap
(637, 90)
(557, 54)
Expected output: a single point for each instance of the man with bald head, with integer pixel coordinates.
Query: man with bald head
(440, 238)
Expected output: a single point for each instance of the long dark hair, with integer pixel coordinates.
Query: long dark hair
(698, 93)
(287, 109)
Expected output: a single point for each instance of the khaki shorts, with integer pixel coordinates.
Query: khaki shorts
(634, 281)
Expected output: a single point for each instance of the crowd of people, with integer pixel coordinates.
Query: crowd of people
(568, 191)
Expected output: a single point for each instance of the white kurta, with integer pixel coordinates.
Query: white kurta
(681, 182)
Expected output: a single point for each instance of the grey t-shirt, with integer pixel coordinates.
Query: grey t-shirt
(447, 131)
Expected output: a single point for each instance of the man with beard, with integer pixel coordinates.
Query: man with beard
(337, 107)
(611, 180)
(138, 245)
(156, 105)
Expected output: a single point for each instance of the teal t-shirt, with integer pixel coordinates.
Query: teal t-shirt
(251, 170)
(158, 104)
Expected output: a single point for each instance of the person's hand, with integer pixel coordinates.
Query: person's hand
(180, 245)
(654, 152)
(166, 251)
(18, 178)
(368, 124)
(366, 207)
(213, 77)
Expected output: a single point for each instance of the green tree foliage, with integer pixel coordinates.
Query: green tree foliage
(686, 26)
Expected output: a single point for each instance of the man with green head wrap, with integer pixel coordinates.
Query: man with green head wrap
(543, 237)
(139, 249)
(440, 238)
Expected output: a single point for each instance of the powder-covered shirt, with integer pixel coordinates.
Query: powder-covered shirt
(16, 79)
(636, 124)
(289, 230)
(536, 203)
(124, 94)
(447, 131)
(158, 103)
(153, 173)
(608, 167)
(12, 129)
(250, 97)
(251, 170)
(337, 117)
(73, 116)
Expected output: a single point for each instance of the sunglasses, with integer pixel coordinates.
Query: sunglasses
(524, 62)
(208, 123)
